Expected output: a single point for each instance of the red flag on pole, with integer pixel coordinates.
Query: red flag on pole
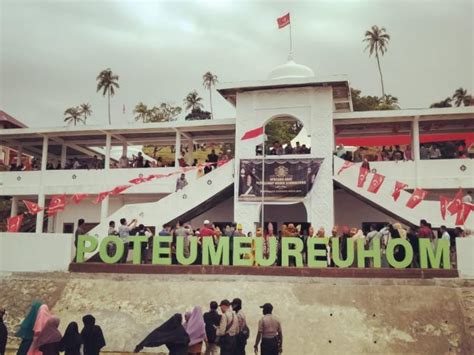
(14, 223)
(463, 213)
(76, 198)
(101, 196)
(137, 181)
(56, 204)
(283, 21)
(443, 203)
(347, 164)
(399, 186)
(377, 181)
(416, 197)
(119, 189)
(33, 208)
(253, 133)
(363, 172)
(456, 202)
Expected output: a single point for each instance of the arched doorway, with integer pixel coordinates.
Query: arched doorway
(285, 214)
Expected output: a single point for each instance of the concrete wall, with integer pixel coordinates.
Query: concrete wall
(26, 252)
(464, 254)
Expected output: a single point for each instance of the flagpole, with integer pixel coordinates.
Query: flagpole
(291, 45)
(263, 184)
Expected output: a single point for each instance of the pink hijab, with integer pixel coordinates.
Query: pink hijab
(50, 334)
(195, 326)
(44, 314)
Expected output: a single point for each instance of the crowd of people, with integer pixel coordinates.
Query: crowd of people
(210, 333)
(284, 149)
(384, 233)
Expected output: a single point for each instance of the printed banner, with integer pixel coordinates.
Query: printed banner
(285, 179)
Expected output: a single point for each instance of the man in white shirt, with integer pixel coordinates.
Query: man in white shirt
(467, 198)
(443, 232)
(124, 232)
(228, 329)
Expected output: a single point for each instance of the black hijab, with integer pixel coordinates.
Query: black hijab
(170, 333)
(71, 340)
(92, 336)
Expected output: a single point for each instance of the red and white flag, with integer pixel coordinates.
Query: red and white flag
(347, 164)
(137, 181)
(363, 172)
(463, 213)
(76, 198)
(456, 202)
(14, 223)
(443, 203)
(253, 133)
(33, 208)
(283, 21)
(101, 196)
(399, 186)
(57, 204)
(119, 189)
(416, 197)
(377, 181)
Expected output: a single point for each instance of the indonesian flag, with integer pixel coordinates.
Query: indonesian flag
(119, 189)
(363, 172)
(56, 204)
(137, 181)
(456, 202)
(253, 133)
(416, 197)
(399, 186)
(33, 208)
(443, 203)
(14, 223)
(151, 177)
(101, 196)
(377, 181)
(76, 198)
(347, 164)
(283, 21)
(463, 213)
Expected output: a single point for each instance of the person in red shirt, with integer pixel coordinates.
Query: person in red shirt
(206, 230)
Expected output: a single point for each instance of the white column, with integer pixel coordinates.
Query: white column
(14, 208)
(63, 155)
(104, 210)
(415, 146)
(44, 156)
(108, 142)
(124, 149)
(177, 152)
(19, 154)
(40, 215)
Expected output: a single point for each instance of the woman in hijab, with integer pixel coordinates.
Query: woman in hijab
(196, 329)
(44, 314)
(50, 337)
(71, 341)
(26, 328)
(92, 336)
(171, 333)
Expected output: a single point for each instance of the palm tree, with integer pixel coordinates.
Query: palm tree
(73, 115)
(390, 101)
(443, 103)
(85, 111)
(193, 101)
(377, 41)
(142, 112)
(461, 97)
(209, 80)
(107, 82)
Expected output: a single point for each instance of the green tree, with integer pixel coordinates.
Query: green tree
(108, 83)
(141, 111)
(198, 114)
(193, 101)
(461, 97)
(443, 103)
(283, 131)
(73, 115)
(164, 113)
(377, 41)
(209, 81)
(86, 111)
(373, 103)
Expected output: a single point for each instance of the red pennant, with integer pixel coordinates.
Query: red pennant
(137, 181)
(283, 21)
(363, 172)
(443, 203)
(14, 223)
(463, 213)
(416, 197)
(399, 186)
(456, 202)
(377, 181)
(101, 196)
(347, 164)
(76, 198)
(119, 189)
(57, 204)
(33, 208)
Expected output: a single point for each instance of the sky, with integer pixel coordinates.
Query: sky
(52, 51)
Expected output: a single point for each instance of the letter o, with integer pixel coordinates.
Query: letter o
(408, 253)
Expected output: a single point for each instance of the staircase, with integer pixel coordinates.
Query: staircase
(383, 200)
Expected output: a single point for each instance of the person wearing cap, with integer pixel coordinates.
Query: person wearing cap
(269, 332)
(206, 230)
(228, 329)
(243, 331)
(3, 332)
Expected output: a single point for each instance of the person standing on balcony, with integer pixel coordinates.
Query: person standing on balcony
(467, 198)
(213, 158)
(181, 182)
(124, 232)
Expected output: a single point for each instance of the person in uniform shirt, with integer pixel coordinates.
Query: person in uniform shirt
(269, 332)
(227, 329)
(241, 339)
